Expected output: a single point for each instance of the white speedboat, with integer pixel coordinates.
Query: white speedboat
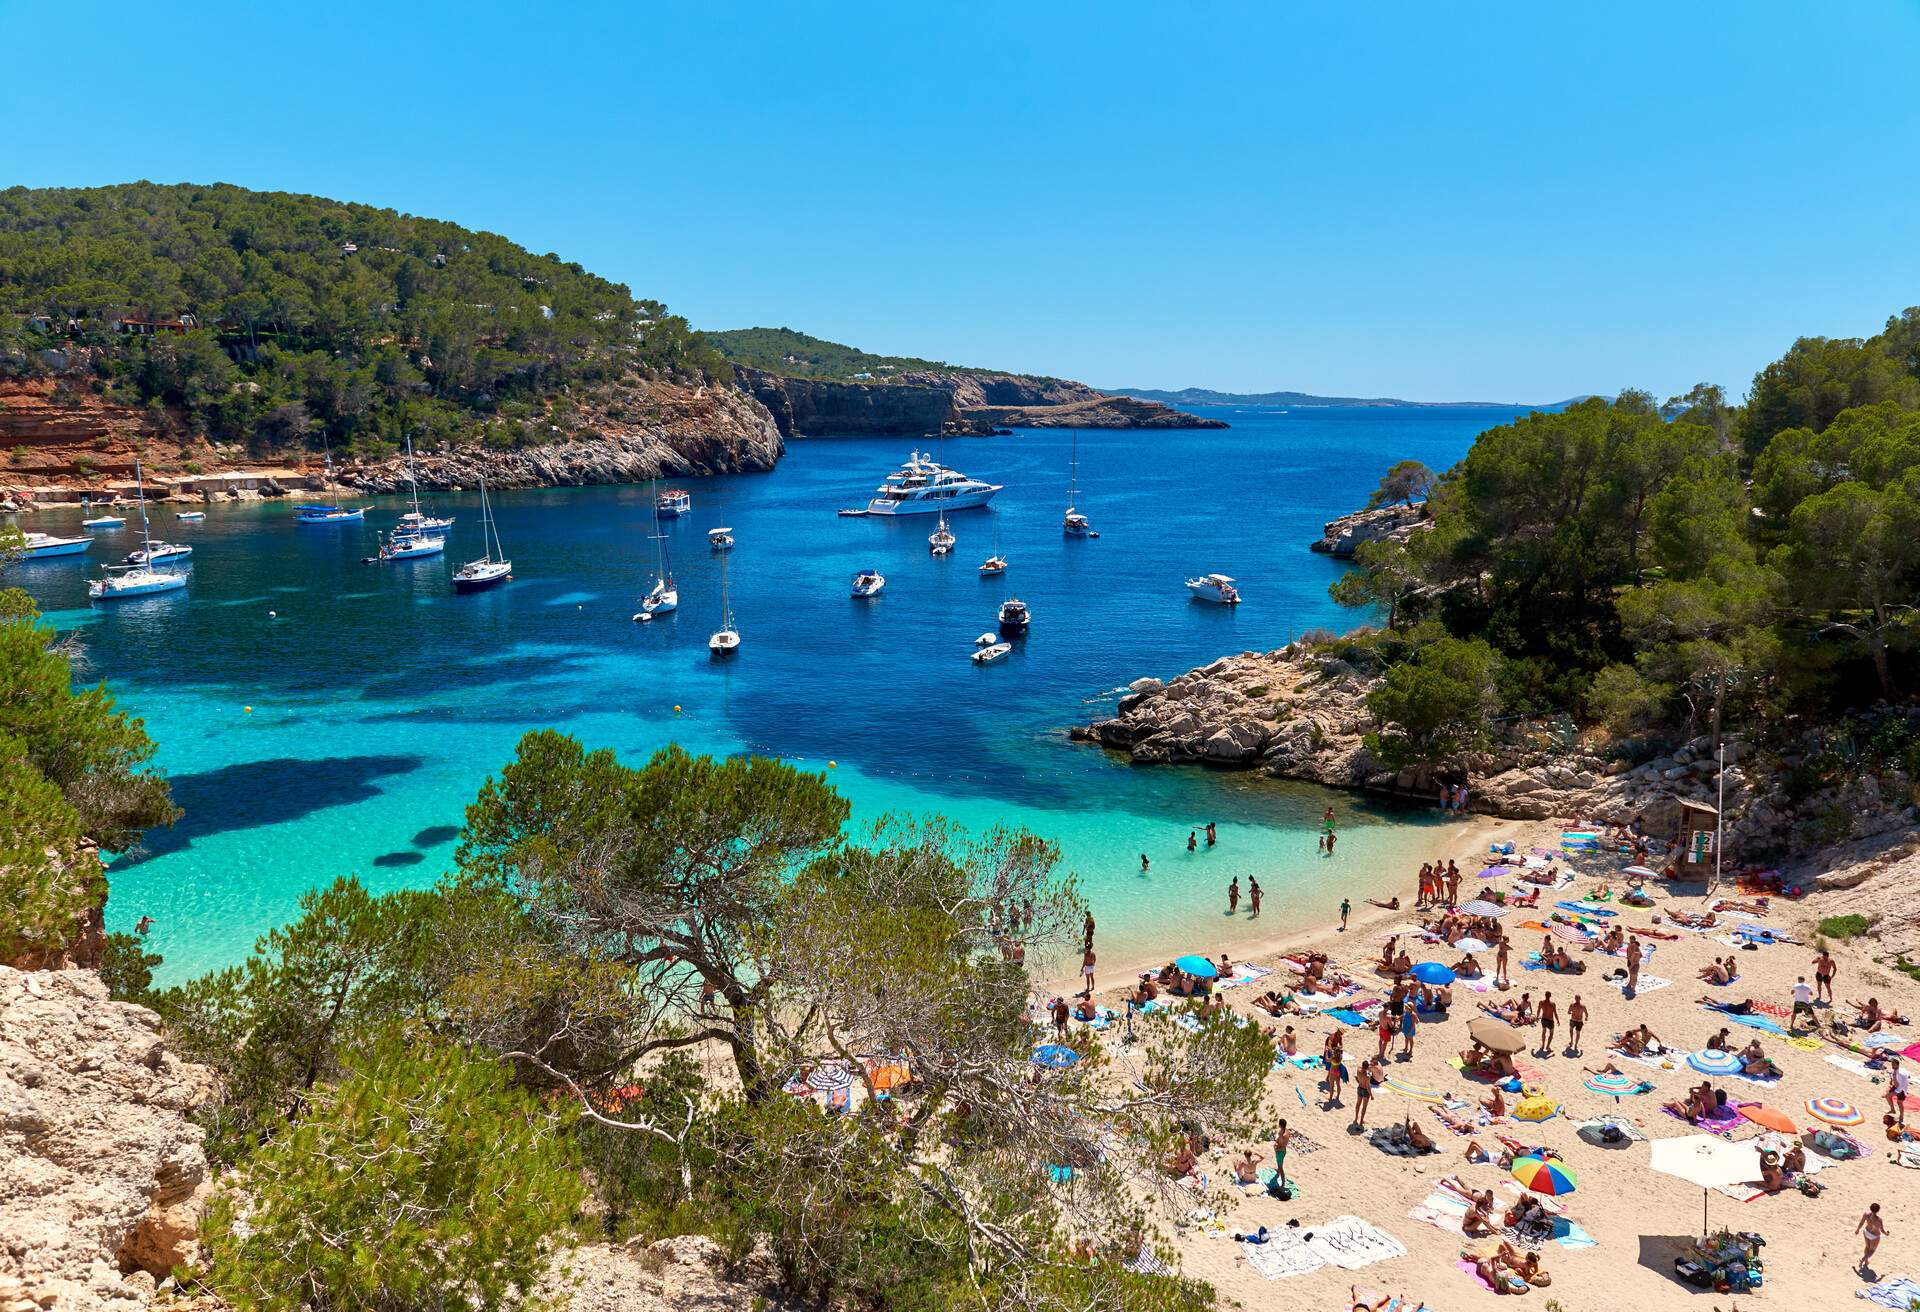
(720, 539)
(923, 486)
(143, 580)
(411, 546)
(1014, 616)
(868, 582)
(673, 503)
(190, 514)
(158, 551)
(104, 521)
(493, 566)
(994, 565)
(663, 596)
(44, 546)
(986, 640)
(1214, 587)
(988, 655)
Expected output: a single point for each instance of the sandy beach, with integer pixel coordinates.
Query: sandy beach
(1629, 1221)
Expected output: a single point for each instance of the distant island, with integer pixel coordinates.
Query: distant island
(1207, 396)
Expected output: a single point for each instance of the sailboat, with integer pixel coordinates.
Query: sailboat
(140, 580)
(996, 563)
(663, 596)
(727, 640)
(1074, 524)
(314, 513)
(408, 541)
(940, 540)
(415, 520)
(491, 568)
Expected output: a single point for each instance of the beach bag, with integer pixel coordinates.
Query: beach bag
(1692, 1273)
(1284, 1192)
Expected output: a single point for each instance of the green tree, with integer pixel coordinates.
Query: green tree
(1408, 481)
(1851, 556)
(1385, 574)
(421, 1178)
(1437, 704)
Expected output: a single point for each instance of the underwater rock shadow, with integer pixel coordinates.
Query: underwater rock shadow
(250, 794)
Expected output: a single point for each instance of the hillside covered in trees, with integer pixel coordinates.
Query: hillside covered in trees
(794, 354)
(1669, 570)
(286, 321)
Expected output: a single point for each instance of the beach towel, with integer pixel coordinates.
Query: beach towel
(1804, 1043)
(1268, 1175)
(1570, 1234)
(1648, 983)
(1766, 1023)
(1896, 1292)
(1301, 1145)
(1417, 1092)
(1443, 1212)
(1286, 1253)
(1587, 909)
(1346, 1016)
(1350, 1243)
(1149, 1263)
(1392, 1140)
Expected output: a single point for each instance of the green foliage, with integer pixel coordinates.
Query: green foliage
(1819, 377)
(420, 1178)
(1845, 927)
(422, 324)
(796, 355)
(1437, 704)
(126, 968)
(1408, 481)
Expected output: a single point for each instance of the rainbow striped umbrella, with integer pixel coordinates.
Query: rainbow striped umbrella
(1834, 1111)
(1543, 1175)
(1614, 1083)
(1712, 1061)
(1399, 1085)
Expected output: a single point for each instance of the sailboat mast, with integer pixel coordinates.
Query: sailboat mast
(140, 486)
(413, 480)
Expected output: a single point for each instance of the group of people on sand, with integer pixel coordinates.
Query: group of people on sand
(1439, 881)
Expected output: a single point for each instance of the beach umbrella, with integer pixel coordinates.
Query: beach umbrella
(1641, 872)
(1535, 1107)
(890, 1076)
(1416, 1091)
(831, 1077)
(1054, 1056)
(1612, 1082)
(1834, 1111)
(1708, 1161)
(1712, 1061)
(1571, 933)
(1543, 1175)
(1771, 1118)
(1495, 1035)
(1482, 907)
(1432, 972)
(1492, 872)
(1198, 967)
(1473, 945)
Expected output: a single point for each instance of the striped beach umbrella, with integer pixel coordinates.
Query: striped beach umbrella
(1834, 1111)
(1640, 872)
(1571, 933)
(1415, 1091)
(1614, 1083)
(1544, 1175)
(1712, 1061)
(831, 1076)
(1482, 907)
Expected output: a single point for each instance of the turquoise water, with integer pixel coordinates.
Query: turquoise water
(380, 700)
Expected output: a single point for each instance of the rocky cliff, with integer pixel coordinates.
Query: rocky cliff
(811, 407)
(1390, 523)
(101, 1173)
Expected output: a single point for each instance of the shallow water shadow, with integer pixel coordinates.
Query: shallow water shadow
(399, 858)
(434, 835)
(256, 793)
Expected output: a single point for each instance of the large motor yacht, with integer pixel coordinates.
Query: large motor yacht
(923, 486)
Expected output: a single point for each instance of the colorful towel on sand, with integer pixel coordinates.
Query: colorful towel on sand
(1648, 983)
(1766, 1023)
(1442, 1211)
(1345, 1015)
(1896, 1292)
(1805, 1044)
(1587, 909)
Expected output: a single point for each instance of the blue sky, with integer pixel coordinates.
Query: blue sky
(1504, 202)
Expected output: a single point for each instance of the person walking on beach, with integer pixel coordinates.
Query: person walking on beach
(1408, 1024)
(1282, 1140)
(1576, 1021)
(1633, 964)
(1500, 961)
(1233, 896)
(1346, 909)
(1253, 898)
(1898, 1082)
(1803, 1006)
(1060, 1019)
(1871, 1226)
(1823, 976)
(1549, 1021)
(1362, 1095)
(1327, 819)
(1086, 970)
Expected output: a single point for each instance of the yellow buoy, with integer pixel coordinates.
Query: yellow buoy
(676, 708)
(833, 765)
(247, 709)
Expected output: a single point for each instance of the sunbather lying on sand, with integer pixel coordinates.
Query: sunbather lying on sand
(1418, 1137)
(1756, 908)
(1871, 1017)
(1391, 904)
(1524, 1265)
(1278, 1004)
(1488, 1269)
(1692, 921)
(1514, 1013)
(1458, 1122)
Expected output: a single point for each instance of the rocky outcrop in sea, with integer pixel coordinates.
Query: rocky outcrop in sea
(1386, 523)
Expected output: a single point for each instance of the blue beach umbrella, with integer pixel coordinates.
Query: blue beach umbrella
(1712, 1061)
(1432, 972)
(1198, 967)
(1054, 1056)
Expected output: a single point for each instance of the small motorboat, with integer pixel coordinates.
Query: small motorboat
(986, 640)
(1214, 587)
(104, 521)
(720, 539)
(44, 546)
(189, 514)
(988, 655)
(327, 514)
(994, 565)
(1014, 616)
(868, 582)
(157, 552)
(673, 503)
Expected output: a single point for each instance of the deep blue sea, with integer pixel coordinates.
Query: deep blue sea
(321, 716)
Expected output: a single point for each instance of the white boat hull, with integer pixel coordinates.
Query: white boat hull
(869, 587)
(988, 655)
(478, 574)
(1209, 592)
(135, 583)
(158, 552)
(191, 514)
(968, 500)
(104, 521)
(42, 546)
(413, 548)
(723, 643)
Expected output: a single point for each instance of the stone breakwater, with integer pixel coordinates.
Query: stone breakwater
(1385, 524)
(102, 1175)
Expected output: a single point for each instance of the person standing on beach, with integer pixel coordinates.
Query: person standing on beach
(1086, 969)
(1060, 1019)
(1633, 964)
(1576, 1021)
(1426, 885)
(1549, 1021)
(1871, 1226)
(1500, 961)
(1803, 1006)
(1233, 896)
(1346, 909)
(1898, 1082)
(1282, 1140)
(1408, 1024)
(1362, 1095)
(1335, 1058)
(1385, 1033)
(1253, 898)
(1823, 976)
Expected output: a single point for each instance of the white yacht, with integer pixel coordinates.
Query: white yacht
(493, 566)
(720, 539)
(143, 580)
(868, 582)
(42, 546)
(158, 551)
(401, 545)
(103, 521)
(940, 541)
(989, 654)
(726, 640)
(673, 503)
(1214, 587)
(1014, 616)
(923, 486)
(1073, 523)
(663, 596)
(416, 522)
